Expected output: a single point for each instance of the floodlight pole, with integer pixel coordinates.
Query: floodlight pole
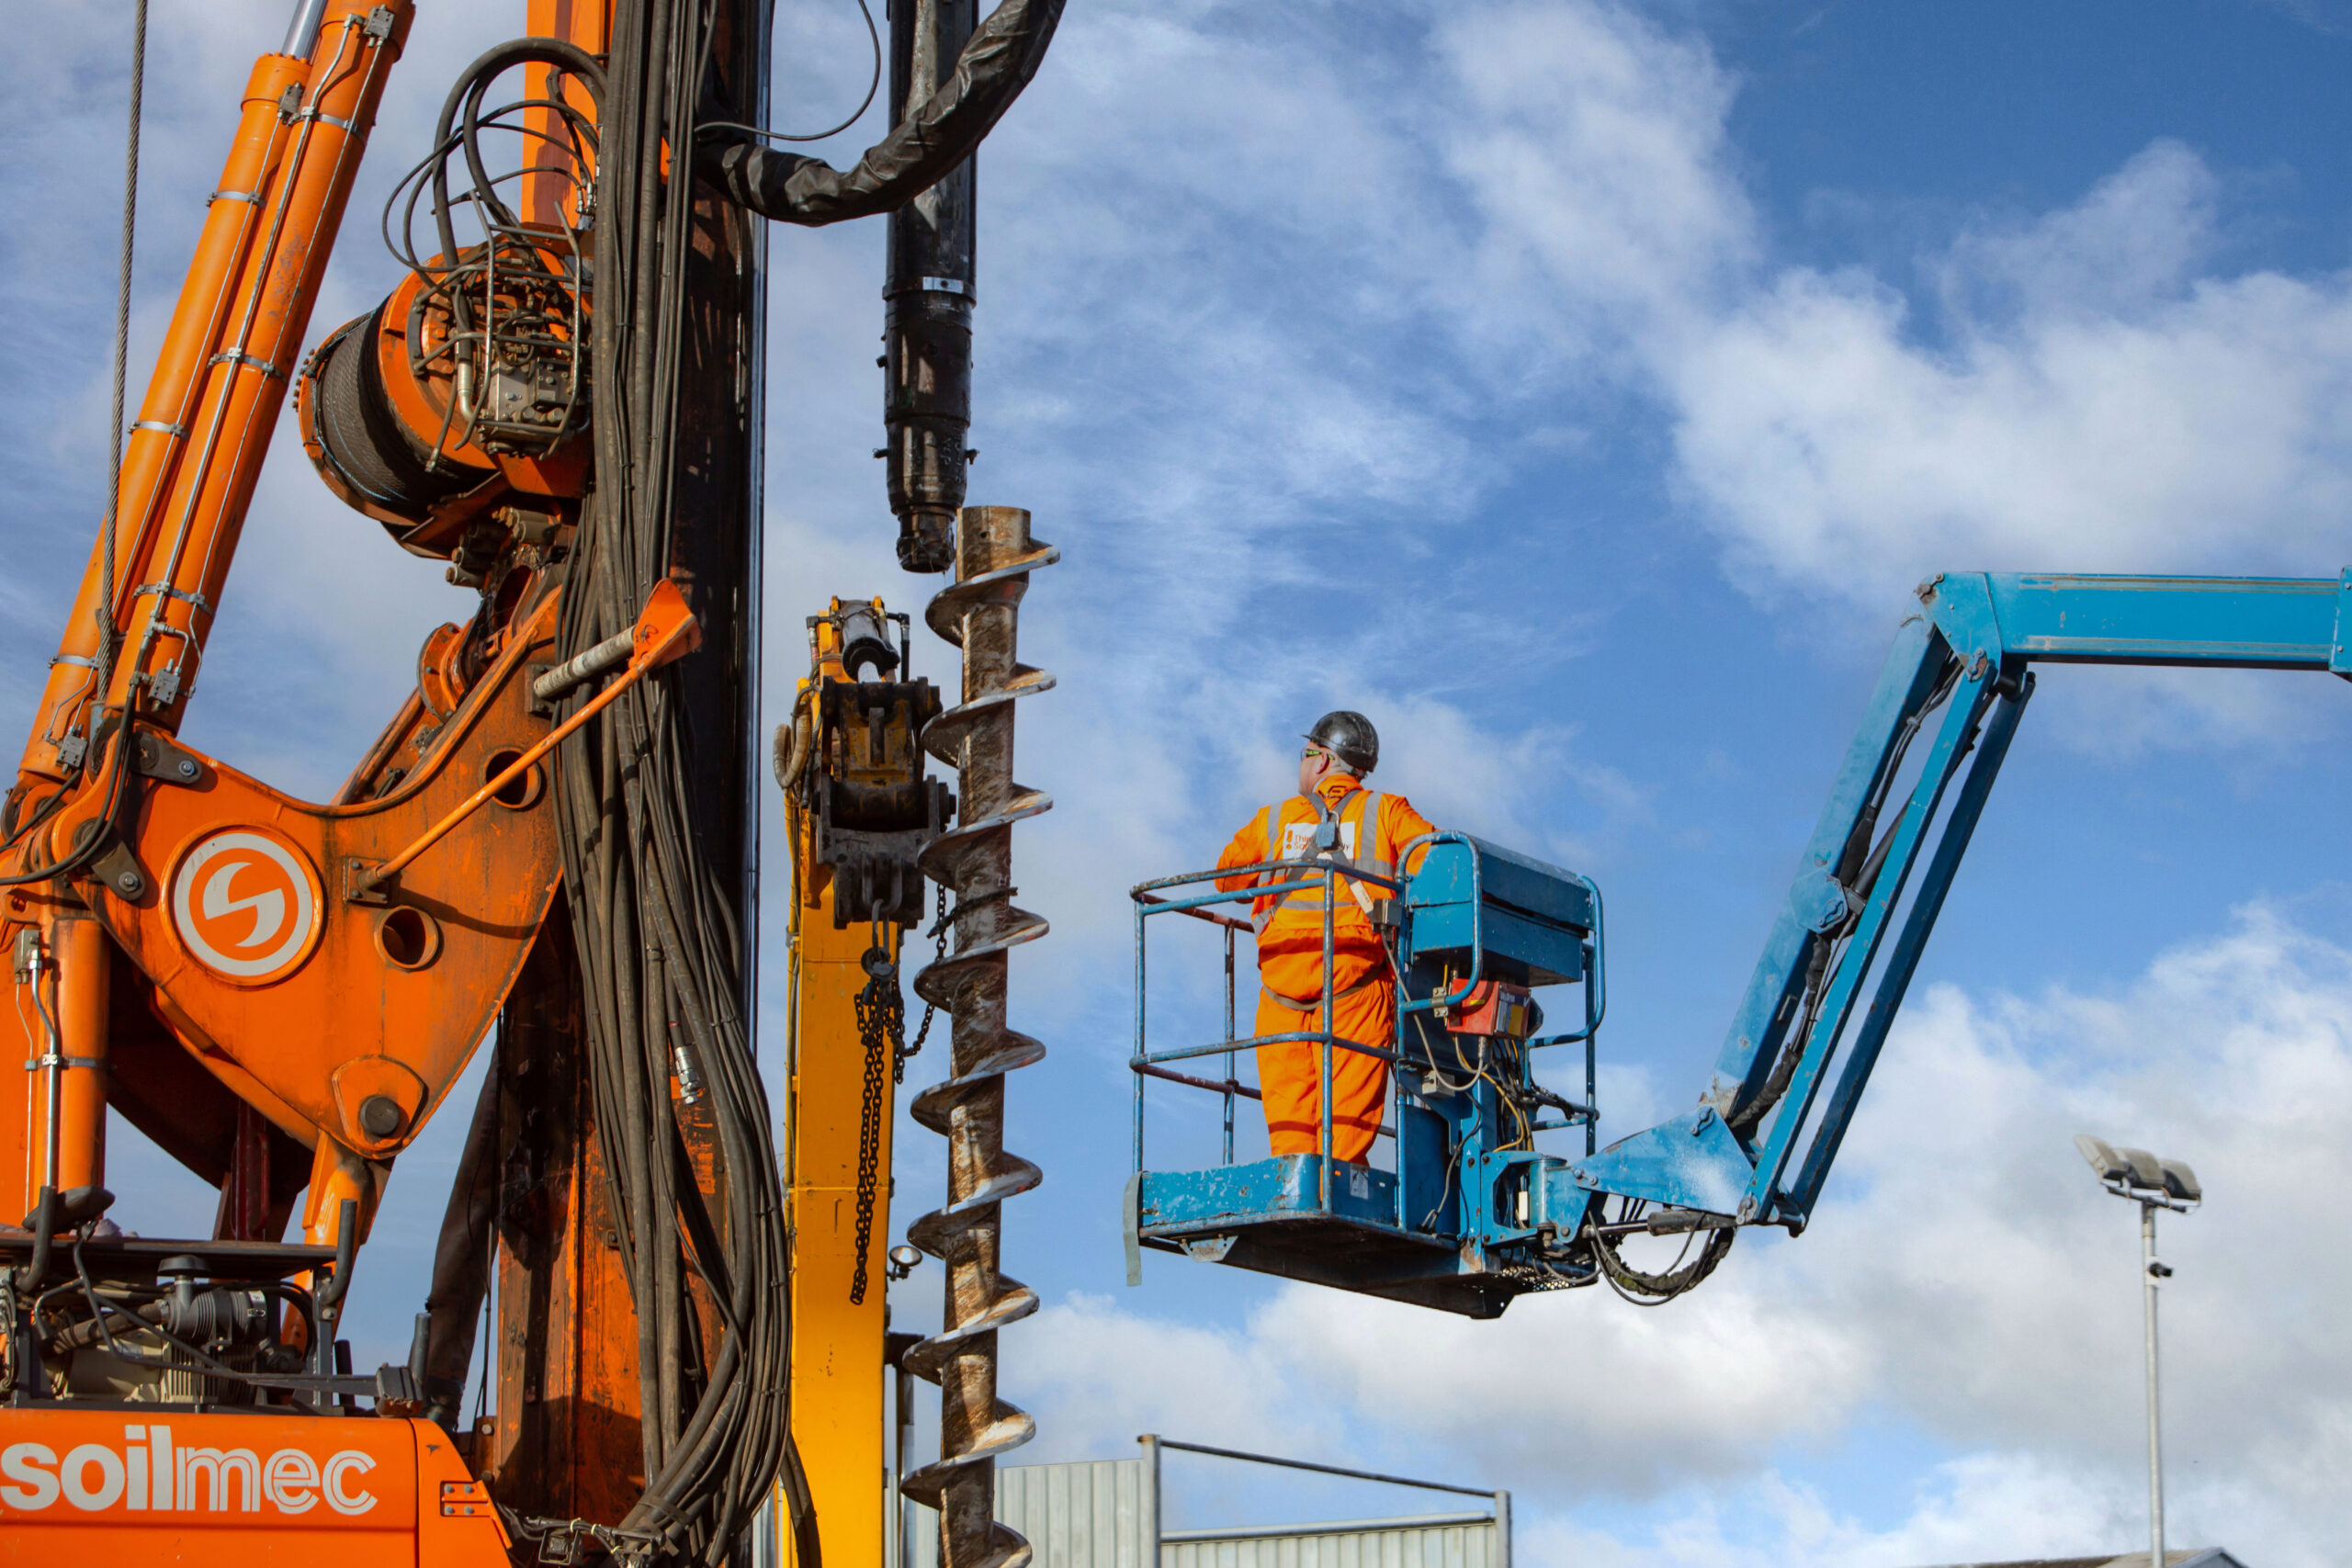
(2153, 1184)
(2148, 1267)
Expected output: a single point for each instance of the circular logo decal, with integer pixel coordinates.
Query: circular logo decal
(245, 903)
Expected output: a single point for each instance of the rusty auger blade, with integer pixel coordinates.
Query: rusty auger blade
(981, 614)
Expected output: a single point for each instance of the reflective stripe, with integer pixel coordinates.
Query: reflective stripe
(1368, 834)
(1360, 806)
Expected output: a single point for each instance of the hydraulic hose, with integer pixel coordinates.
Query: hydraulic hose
(464, 97)
(998, 61)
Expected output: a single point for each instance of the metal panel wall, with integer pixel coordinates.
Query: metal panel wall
(1086, 1515)
(1103, 1514)
(1368, 1544)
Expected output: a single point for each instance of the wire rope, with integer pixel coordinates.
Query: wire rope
(108, 633)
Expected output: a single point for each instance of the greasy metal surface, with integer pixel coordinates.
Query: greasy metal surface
(564, 1440)
(980, 614)
(928, 295)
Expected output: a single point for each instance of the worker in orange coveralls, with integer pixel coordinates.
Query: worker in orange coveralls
(1371, 829)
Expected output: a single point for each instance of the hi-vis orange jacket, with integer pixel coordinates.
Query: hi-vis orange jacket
(1291, 925)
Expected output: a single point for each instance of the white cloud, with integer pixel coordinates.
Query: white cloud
(1964, 1278)
(1591, 142)
(1980, 1509)
(2084, 391)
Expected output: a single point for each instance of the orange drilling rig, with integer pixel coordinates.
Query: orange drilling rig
(549, 853)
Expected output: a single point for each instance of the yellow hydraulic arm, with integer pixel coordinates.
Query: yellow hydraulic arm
(860, 809)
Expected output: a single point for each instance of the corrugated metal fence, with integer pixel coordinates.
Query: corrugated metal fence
(1435, 1540)
(1105, 1514)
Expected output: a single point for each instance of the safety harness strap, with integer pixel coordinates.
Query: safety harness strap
(1311, 1004)
(1362, 807)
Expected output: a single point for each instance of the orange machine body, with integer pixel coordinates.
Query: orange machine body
(218, 960)
(279, 992)
(125, 1486)
(303, 1000)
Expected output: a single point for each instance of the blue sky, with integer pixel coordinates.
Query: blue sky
(1578, 389)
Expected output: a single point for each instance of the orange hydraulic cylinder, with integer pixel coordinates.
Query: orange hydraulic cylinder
(84, 955)
(155, 440)
(227, 360)
(66, 1081)
(338, 1173)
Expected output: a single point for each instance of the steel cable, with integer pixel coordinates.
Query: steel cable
(108, 633)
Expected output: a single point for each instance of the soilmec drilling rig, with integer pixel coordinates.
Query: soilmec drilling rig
(550, 845)
(1470, 1213)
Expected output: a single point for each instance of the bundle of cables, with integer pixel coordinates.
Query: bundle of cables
(659, 936)
(658, 939)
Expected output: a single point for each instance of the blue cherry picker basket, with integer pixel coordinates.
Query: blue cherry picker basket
(1459, 1208)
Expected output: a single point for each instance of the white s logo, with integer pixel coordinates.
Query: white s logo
(245, 905)
(268, 905)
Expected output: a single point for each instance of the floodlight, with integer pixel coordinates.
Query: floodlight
(2181, 1181)
(2103, 1158)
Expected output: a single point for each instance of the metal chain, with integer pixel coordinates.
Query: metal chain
(881, 1024)
(882, 1032)
(938, 930)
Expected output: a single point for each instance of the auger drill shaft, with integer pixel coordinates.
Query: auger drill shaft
(981, 614)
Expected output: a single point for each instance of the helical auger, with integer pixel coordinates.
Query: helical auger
(981, 614)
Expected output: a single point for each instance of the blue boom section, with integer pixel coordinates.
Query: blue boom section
(1957, 684)
(1472, 1213)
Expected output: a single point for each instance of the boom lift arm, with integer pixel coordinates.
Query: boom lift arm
(1759, 1147)
(1970, 654)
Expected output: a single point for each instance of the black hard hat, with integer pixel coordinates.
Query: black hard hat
(1350, 737)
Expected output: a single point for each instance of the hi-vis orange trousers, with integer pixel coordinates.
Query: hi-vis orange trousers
(1290, 1076)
